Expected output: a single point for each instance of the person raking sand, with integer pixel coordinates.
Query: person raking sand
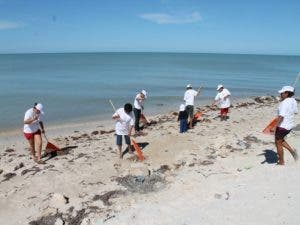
(32, 132)
(223, 99)
(189, 98)
(124, 125)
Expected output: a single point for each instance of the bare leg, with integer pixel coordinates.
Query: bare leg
(38, 145)
(191, 123)
(289, 148)
(120, 151)
(279, 147)
(31, 148)
(129, 149)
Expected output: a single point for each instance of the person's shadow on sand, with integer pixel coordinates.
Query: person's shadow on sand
(270, 156)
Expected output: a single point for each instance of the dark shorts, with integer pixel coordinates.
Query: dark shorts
(29, 136)
(119, 139)
(280, 133)
(224, 111)
(190, 110)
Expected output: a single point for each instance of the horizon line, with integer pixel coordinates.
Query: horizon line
(160, 52)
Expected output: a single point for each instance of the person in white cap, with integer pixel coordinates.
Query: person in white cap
(189, 98)
(223, 99)
(182, 118)
(33, 127)
(285, 122)
(138, 108)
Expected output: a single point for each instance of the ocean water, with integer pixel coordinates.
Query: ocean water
(77, 86)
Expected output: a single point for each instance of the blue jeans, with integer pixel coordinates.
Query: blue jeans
(183, 126)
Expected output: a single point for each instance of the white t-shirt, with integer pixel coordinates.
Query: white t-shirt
(189, 96)
(34, 126)
(224, 102)
(124, 123)
(138, 102)
(287, 108)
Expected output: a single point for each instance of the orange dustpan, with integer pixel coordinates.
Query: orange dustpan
(51, 147)
(137, 150)
(197, 115)
(271, 125)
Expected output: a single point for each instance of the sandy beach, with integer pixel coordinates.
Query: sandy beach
(220, 172)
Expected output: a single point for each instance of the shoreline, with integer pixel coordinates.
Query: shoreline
(106, 119)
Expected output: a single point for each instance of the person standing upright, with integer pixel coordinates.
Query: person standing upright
(138, 109)
(285, 122)
(189, 98)
(223, 98)
(32, 132)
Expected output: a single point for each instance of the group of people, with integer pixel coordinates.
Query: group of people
(186, 110)
(128, 119)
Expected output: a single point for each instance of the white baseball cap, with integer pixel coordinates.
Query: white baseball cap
(182, 107)
(286, 88)
(144, 93)
(220, 86)
(40, 107)
(189, 86)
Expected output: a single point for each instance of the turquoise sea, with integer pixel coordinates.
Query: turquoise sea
(77, 86)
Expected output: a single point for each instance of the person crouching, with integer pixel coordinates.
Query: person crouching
(182, 118)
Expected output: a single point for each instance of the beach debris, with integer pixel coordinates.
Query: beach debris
(163, 169)
(9, 150)
(252, 139)
(180, 164)
(19, 166)
(95, 132)
(248, 167)
(1, 171)
(108, 217)
(33, 169)
(108, 195)
(243, 144)
(47, 220)
(227, 196)
(58, 200)
(8, 176)
(218, 196)
(142, 184)
(206, 162)
(59, 221)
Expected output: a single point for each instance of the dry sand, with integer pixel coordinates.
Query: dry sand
(218, 173)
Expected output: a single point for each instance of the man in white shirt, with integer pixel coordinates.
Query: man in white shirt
(32, 123)
(189, 98)
(223, 99)
(285, 122)
(124, 125)
(138, 108)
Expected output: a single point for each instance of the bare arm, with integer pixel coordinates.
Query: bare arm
(30, 121)
(199, 90)
(42, 126)
(279, 120)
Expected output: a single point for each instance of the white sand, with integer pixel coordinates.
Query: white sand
(215, 176)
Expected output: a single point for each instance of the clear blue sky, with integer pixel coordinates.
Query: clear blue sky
(226, 26)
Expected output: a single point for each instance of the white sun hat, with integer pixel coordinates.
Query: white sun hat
(286, 88)
(144, 93)
(189, 86)
(220, 86)
(182, 107)
(40, 107)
